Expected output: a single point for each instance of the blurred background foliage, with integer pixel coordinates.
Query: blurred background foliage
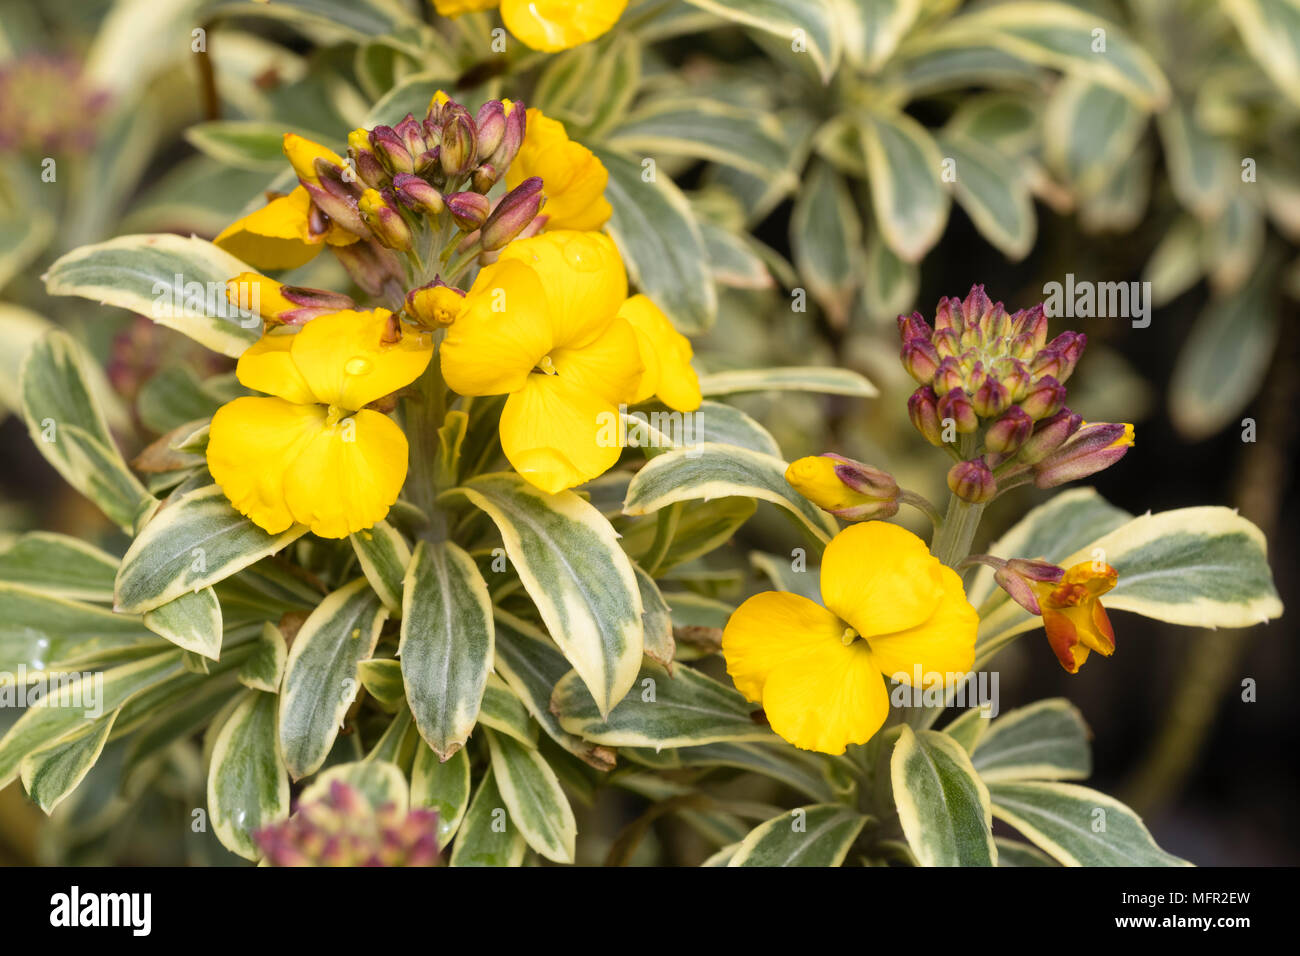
(822, 166)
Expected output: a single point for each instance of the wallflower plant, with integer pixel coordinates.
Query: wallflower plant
(398, 577)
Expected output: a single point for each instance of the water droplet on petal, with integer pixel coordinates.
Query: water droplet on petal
(357, 366)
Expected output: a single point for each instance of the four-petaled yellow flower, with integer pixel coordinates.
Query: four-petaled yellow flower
(1073, 617)
(542, 325)
(890, 608)
(548, 25)
(314, 454)
(574, 178)
(279, 235)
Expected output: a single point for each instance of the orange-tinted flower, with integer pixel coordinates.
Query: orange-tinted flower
(1073, 617)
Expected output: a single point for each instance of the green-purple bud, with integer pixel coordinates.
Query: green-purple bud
(513, 214)
(1008, 433)
(1049, 435)
(972, 481)
(923, 410)
(956, 405)
(459, 148)
(470, 210)
(417, 195)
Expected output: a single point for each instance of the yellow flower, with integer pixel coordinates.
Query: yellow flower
(666, 354)
(574, 179)
(435, 306)
(1073, 617)
(846, 488)
(279, 235)
(314, 454)
(541, 325)
(548, 25)
(890, 608)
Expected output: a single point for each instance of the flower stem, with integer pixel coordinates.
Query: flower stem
(952, 541)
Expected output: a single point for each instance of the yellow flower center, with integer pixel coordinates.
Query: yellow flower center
(547, 366)
(335, 414)
(848, 637)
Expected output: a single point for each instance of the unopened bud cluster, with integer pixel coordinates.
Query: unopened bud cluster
(993, 375)
(344, 829)
(401, 179)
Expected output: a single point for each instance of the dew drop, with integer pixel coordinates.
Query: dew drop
(357, 366)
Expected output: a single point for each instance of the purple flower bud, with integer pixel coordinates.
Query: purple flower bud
(1093, 448)
(944, 319)
(470, 210)
(863, 478)
(1008, 433)
(1031, 322)
(1044, 398)
(459, 148)
(923, 410)
(946, 343)
(991, 398)
(513, 213)
(1018, 576)
(948, 376)
(974, 307)
(913, 327)
(491, 123)
(956, 405)
(417, 194)
(385, 222)
(920, 359)
(484, 178)
(972, 481)
(312, 303)
(391, 150)
(511, 139)
(411, 132)
(1049, 435)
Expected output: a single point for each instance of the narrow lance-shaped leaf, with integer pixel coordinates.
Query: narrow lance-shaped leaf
(712, 470)
(248, 786)
(817, 835)
(680, 711)
(320, 676)
(191, 621)
(178, 282)
(904, 168)
(60, 566)
(808, 25)
(441, 785)
(196, 540)
(51, 774)
(383, 555)
(943, 805)
(822, 379)
(446, 644)
(67, 426)
(826, 237)
(1047, 740)
(487, 836)
(568, 558)
(1077, 826)
(532, 794)
(660, 241)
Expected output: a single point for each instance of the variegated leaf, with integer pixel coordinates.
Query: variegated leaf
(248, 786)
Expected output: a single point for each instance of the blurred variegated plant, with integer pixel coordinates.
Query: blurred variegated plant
(454, 545)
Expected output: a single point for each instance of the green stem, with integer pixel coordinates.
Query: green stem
(952, 542)
(424, 416)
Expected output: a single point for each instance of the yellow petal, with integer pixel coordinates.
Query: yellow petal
(501, 334)
(608, 367)
(347, 477)
(553, 25)
(574, 178)
(254, 293)
(252, 444)
(943, 644)
(827, 699)
(344, 360)
(275, 236)
(770, 630)
(557, 434)
(880, 578)
(267, 366)
(583, 278)
(303, 154)
(666, 354)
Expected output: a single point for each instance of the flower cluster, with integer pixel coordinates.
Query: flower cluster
(343, 829)
(44, 105)
(992, 387)
(547, 320)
